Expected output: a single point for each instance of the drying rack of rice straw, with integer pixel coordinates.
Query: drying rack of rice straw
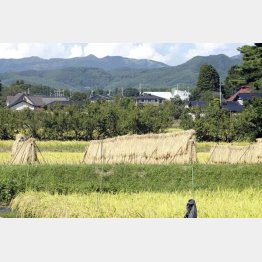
(232, 154)
(164, 148)
(24, 151)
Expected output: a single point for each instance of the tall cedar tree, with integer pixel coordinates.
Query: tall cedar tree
(208, 82)
(208, 79)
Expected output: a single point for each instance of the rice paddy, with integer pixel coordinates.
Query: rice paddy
(60, 187)
(218, 204)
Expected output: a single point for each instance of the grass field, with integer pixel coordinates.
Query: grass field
(218, 204)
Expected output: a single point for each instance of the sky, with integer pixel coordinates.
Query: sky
(169, 53)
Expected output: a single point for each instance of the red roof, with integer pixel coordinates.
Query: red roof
(242, 89)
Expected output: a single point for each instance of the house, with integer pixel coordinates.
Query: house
(148, 99)
(95, 97)
(241, 90)
(233, 107)
(165, 95)
(183, 94)
(22, 100)
(242, 97)
(196, 103)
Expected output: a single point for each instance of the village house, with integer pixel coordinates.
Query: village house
(22, 100)
(241, 90)
(95, 97)
(196, 103)
(242, 97)
(148, 99)
(232, 106)
(165, 95)
(235, 103)
(182, 94)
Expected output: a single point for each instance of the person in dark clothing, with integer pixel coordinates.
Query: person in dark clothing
(191, 209)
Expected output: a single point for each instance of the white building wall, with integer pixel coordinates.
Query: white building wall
(22, 105)
(184, 95)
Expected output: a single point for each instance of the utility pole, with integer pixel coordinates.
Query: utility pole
(220, 94)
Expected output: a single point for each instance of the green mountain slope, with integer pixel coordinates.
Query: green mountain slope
(81, 78)
(91, 61)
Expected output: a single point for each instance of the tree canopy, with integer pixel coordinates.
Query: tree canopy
(207, 83)
(249, 73)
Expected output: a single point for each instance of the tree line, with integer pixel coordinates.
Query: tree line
(122, 116)
(86, 122)
(217, 124)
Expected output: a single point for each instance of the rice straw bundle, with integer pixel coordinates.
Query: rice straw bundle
(24, 151)
(231, 154)
(168, 148)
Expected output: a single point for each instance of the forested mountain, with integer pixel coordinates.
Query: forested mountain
(113, 72)
(106, 63)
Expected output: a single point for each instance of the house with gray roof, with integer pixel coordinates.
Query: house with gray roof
(148, 99)
(22, 100)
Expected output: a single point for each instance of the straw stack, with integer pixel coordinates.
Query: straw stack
(24, 151)
(230, 154)
(168, 148)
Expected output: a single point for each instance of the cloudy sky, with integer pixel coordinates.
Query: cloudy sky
(169, 53)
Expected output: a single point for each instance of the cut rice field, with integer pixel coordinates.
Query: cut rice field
(217, 204)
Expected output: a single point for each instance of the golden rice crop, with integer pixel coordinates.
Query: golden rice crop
(49, 157)
(217, 204)
(51, 145)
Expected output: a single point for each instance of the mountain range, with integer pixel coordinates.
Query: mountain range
(110, 72)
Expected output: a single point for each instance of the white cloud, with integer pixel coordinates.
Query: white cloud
(138, 51)
(76, 51)
(205, 49)
(19, 50)
(103, 49)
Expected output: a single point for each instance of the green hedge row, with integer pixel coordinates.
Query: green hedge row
(64, 179)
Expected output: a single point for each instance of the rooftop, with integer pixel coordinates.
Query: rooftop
(149, 97)
(165, 95)
(37, 101)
